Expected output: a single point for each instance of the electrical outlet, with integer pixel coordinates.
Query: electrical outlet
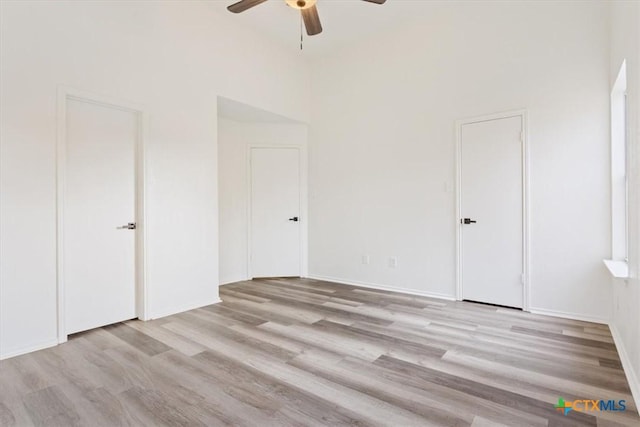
(393, 262)
(365, 259)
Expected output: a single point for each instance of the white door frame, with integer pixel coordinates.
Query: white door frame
(66, 93)
(526, 296)
(304, 215)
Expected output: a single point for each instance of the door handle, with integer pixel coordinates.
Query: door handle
(294, 219)
(467, 221)
(129, 226)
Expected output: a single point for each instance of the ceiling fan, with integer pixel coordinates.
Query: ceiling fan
(306, 7)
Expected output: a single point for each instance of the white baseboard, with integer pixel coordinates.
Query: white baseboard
(233, 283)
(627, 365)
(571, 316)
(55, 342)
(383, 287)
(183, 308)
(29, 349)
(235, 280)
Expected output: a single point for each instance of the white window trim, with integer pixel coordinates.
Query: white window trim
(618, 264)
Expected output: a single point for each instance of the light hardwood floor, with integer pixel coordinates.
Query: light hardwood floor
(295, 352)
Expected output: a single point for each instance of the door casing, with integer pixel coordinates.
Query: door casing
(526, 295)
(302, 158)
(66, 93)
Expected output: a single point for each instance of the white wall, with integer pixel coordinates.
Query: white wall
(625, 323)
(172, 57)
(234, 137)
(382, 146)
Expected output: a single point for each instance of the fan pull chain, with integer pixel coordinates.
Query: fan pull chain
(301, 31)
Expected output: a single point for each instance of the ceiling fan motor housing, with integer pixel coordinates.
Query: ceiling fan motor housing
(301, 4)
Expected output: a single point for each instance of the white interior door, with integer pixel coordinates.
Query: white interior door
(275, 212)
(492, 197)
(99, 197)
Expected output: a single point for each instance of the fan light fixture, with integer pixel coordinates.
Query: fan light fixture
(301, 4)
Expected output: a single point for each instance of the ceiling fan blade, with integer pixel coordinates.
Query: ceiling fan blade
(243, 5)
(376, 1)
(311, 20)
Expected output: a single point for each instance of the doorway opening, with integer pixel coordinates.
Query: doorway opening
(262, 193)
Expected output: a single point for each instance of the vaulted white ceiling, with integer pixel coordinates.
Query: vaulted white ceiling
(344, 21)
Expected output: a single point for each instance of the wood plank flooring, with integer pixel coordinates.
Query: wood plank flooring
(294, 352)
